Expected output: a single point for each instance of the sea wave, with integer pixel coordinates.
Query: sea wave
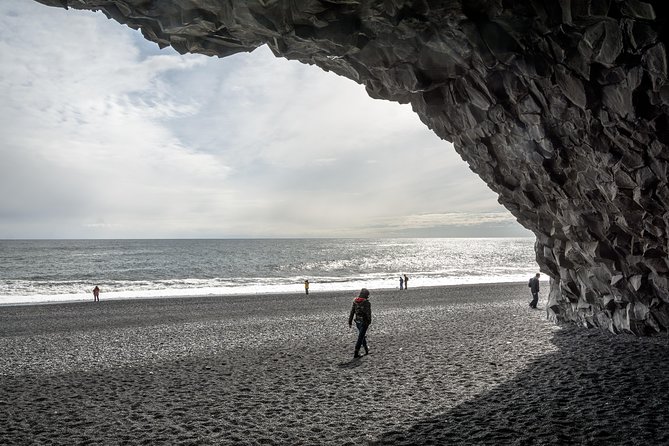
(67, 270)
(28, 292)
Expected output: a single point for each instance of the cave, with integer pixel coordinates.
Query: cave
(560, 107)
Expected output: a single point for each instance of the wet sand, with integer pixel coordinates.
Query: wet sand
(448, 365)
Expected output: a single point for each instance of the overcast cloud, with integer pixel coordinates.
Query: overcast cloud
(107, 136)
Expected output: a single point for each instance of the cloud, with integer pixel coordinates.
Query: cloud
(82, 117)
(105, 135)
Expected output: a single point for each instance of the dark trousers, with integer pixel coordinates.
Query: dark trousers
(535, 300)
(362, 335)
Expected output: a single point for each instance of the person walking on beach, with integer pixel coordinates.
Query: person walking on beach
(362, 313)
(96, 294)
(534, 289)
(406, 282)
(401, 283)
(306, 287)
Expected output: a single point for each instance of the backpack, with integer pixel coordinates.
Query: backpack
(529, 284)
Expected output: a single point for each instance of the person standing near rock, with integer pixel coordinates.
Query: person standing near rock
(96, 294)
(362, 313)
(406, 282)
(534, 289)
(401, 283)
(306, 287)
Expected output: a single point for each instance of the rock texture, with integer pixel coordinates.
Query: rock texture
(560, 106)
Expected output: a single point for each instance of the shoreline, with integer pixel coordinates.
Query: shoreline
(469, 364)
(312, 292)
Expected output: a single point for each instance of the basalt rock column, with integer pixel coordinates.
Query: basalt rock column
(559, 106)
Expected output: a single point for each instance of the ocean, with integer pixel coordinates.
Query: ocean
(38, 271)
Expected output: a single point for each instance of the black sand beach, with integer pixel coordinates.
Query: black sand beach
(450, 365)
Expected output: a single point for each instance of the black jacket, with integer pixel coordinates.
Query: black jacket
(534, 285)
(361, 310)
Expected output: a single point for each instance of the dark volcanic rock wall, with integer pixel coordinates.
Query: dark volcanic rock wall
(560, 106)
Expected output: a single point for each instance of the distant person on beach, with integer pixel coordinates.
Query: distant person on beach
(401, 283)
(534, 289)
(306, 286)
(362, 313)
(406, 282)
(96, 294)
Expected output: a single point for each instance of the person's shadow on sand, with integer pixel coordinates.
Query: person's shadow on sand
(353, 363)
(599, 389)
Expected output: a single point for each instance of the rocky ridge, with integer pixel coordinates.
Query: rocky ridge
(560, 107)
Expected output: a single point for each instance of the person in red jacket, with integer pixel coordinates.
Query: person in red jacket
(362, 313)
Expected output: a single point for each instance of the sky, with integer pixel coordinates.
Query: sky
(104, 135)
